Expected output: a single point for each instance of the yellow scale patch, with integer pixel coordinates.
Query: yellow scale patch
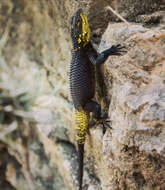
(85, 36)
(81, 124)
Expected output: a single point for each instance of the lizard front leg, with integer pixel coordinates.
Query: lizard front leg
(99, 58)
(114, 50)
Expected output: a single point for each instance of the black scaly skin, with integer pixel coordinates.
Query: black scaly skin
(82, 78)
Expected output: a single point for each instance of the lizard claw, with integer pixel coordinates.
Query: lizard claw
(106, 125)
(118, 49)
(103, 120)
(108, 121)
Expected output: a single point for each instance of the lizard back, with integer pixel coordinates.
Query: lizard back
(82, 86)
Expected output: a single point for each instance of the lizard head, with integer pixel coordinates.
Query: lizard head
(80, 31)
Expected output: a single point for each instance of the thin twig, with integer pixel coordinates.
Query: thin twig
(118, 15)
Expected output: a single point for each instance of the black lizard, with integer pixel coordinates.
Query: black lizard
(82, 79)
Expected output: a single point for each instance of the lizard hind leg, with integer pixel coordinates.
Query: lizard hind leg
(95, 108)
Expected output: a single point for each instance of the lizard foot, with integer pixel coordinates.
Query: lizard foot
(118, 49)
(105, 124)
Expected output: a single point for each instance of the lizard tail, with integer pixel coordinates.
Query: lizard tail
(81, 160)
(81, 124)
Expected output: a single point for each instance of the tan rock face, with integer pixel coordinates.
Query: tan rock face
(135, 147)
(37, 138)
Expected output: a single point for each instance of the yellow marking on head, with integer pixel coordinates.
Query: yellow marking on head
(79, 39)
(85, 28)
(81, 124)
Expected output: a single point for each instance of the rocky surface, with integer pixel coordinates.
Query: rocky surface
(134, 149)
(37, 136)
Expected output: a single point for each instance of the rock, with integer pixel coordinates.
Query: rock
(37, 136)
(136, 145)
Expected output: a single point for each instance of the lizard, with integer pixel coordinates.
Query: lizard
(82, 79)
